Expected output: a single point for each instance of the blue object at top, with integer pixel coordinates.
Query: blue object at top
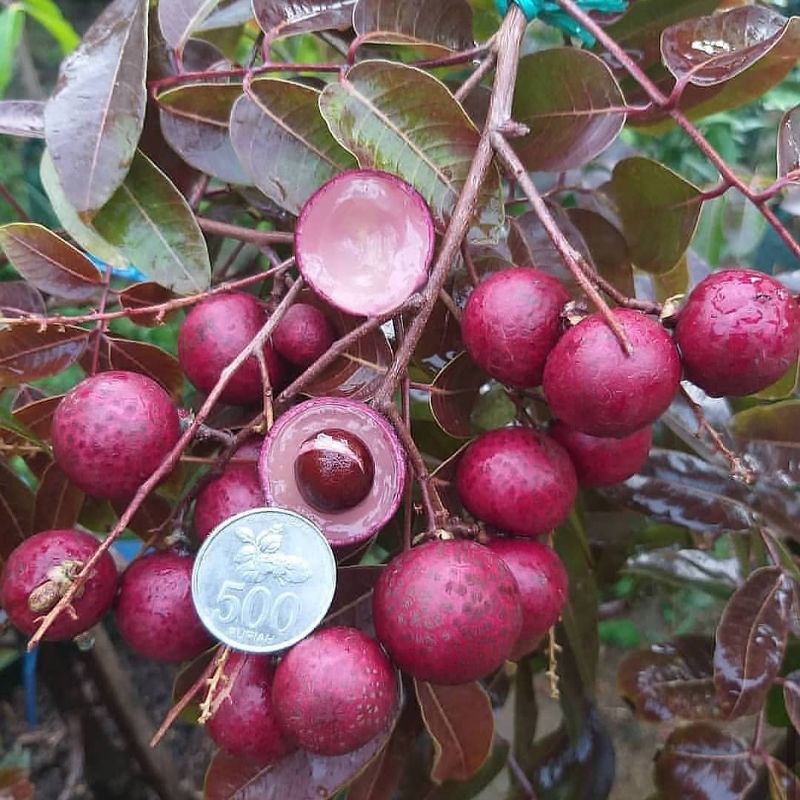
(552, 13)
(129, 273)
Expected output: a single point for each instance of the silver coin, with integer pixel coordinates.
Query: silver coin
(263, 580)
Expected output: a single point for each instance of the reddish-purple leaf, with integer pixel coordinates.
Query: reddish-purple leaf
(791, 697)
(454, 393)
(701, 762)
(671, 680)
(441, 339)
(571, 102)
(283, 143)
(19, 298)
(51, 264)
(25, 395)
(751, 639)
(195, 122)
(38, 416)
(299, 776)
(133, 356)
(143, 295)
(16, 511)
(659, 212)
(23, 118)
(228, 14)
(783, 783)
(289, 17)
(149, 518)
(531, 246)
(461, 724)
(352, 601)
(26, 353)
(58, 502)
(94, 118)
(789, 142)
(717, 48)
(179, 18)
(447, 23)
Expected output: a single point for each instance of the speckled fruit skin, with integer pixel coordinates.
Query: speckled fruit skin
(214, 332)
(244, 723)
(511, 323)
(154, 609)
(237, 489)
(594, 387)
(303, 334)
(738, 332)
(603, 461)
(334, 691)
(27, 569)
(112, 431)
(448, 612)
(543, 586)
(517, 480)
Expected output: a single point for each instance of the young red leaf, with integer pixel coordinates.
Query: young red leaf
(38, 415)
(571, 102)
(704, 763)
(751, 639)
(18, 298)
(140, 295)
(672, 680)
(461, 724)
(149, 518)
(27, 354)
(791, 697)
(454, 393)
(94, 118)
(48, 262)
(789, 142)
(278, 18)
(58, 502)
(16, 510)
(179, 19)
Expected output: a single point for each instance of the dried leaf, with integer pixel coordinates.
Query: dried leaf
(149, 221)
(447, 24)
(58, 502)
(279, 18)
(403, 120)
(142, 295)
(571, 102)
(671, 680)
(51, 264)
(27, 354)
(659, 212)
(180, 18)
(454, 393)
(96, 114)
(23, 118)
(751, 639)
(283, 143)
(461, 724)
(195, 121)
(701, 762)
(789, 142)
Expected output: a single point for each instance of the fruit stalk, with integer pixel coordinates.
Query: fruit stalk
(168, 463)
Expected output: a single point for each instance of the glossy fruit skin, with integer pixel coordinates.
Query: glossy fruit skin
(511, 323)
(112, 431)
(244, 723)
(303, 334)
(237, 489)
(154, 609)
(334, 470)
(30, 565)
(214, 332)
(334, 691)
(543, 586)
(738, 332)
(448, 612)
(594, 387)
(518, 480)
(603, 461)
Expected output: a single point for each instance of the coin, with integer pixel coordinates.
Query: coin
(263, 580)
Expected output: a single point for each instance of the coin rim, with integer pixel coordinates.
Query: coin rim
(272, 510)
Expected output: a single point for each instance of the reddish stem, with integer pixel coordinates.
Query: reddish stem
(213, 226)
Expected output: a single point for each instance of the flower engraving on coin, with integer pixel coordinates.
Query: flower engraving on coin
(259, 557)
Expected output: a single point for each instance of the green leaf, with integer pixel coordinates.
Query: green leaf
(95, 116)
(49, 16)
(88, 238)
(659, 212)
(149, 221)
(784, 387)
(283, 143)
(402, 120)
(570, 100)
(12, 21)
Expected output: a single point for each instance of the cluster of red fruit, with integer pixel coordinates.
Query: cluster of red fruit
(447, 611)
